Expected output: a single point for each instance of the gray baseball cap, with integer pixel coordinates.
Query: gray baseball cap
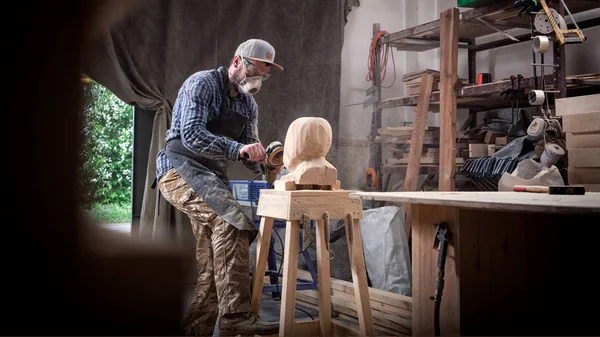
(259, 50)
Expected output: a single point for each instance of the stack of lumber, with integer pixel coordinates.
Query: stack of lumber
(484, 146)
(412, 81)
(581, 124)
(400, 137)
(392, 313)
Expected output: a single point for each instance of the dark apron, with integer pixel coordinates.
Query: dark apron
(208, 177)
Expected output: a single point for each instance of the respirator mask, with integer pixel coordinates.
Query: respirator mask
(249, 85)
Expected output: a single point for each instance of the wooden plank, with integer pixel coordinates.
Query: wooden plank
(583, 122)
(508, 201)
(584, 158)
(292, 205)
(493, 269)
(376, 295)
(260, 262)
(503, 140)
(347, 305)
(416, 143)
(380, 330)
(478, 150)
(395, 131)
(582, 140)
(376, 306)
(359, 276)
(577, 105)
(323, 279)
(307, 328)
(290, 268)
(343, 330)
(428, 139)
(380, 319)
(584, 176)
(448, 76)
(425, 271)
(424, 160)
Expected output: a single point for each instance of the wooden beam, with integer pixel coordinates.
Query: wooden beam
(448, 77)
(416, 143)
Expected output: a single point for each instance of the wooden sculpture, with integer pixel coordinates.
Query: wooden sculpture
(307, 142)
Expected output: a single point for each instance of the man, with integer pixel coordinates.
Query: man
(214, 122)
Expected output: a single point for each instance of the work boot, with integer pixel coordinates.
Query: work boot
(246, 324)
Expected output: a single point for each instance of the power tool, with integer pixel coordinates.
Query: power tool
(273, 160)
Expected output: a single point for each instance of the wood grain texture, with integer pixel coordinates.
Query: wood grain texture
(416, 143)
(291, 205)
(425, 270)
(324, 281)
(508, 269)
(359, 276)
(584, 122)
(508, 201)
(577, 105)
(584, 176)
(263, 241)
(307, 143)
(584, 158)
(448, 76)
(290, 270)
(582, 140)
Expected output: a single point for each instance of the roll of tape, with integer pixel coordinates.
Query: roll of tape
(536, 97)
(540, 44)
(552, 153)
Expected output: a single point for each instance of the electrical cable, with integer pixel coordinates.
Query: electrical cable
(383, 58)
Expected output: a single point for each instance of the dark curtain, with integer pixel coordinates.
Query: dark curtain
(147, 56)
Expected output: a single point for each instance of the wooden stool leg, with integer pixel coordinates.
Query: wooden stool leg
(359, 276)
(263, 242)
(324, 280)
(287, 317)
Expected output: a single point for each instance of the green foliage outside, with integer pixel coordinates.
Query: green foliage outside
(106, 171)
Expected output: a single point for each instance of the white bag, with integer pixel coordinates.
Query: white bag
(385, 247)
(529, 172)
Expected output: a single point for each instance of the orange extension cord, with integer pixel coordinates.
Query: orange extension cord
(386, 50)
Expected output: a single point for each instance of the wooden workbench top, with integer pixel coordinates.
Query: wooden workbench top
(508, 201)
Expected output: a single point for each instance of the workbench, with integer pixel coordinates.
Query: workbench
(517, 263)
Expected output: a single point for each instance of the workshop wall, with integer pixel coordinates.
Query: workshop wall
(395, 15)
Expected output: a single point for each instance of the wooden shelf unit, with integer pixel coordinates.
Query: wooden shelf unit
(474, 97)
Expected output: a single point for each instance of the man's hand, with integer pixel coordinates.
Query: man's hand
(256, 152)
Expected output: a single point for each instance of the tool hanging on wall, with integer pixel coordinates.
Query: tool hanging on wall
(515, 95)
(527, 6)
(440, 241)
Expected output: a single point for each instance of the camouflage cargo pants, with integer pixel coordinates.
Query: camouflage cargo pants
(222, 253)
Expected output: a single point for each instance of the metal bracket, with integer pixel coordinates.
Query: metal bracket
(350, 234)
(327, 228)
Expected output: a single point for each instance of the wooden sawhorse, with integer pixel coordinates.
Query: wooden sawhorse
(318, 205)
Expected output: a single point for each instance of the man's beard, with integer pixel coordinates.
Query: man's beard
(234, 82)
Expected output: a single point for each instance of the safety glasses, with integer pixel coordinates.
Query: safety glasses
(252, 67)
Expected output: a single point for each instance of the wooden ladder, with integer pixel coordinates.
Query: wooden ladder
(560, 33)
